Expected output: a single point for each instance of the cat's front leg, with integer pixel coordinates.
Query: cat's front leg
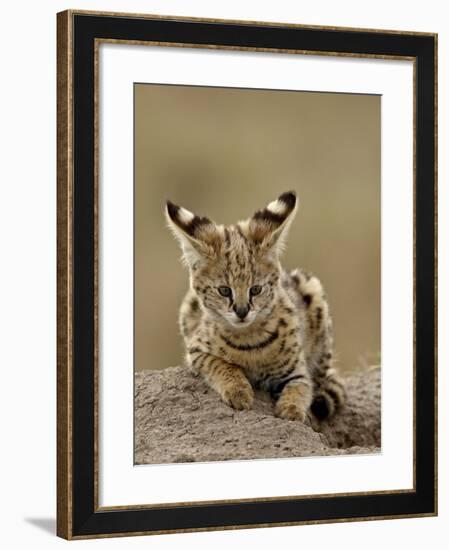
(296, 396)
(229, 381)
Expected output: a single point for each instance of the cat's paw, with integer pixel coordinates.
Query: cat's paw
(239, 397)
(294, 402)
(289, 410)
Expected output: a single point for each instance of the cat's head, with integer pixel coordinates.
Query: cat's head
(235, 269)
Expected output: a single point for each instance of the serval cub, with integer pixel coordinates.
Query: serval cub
(248, 323)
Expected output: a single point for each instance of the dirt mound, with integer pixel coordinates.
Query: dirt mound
(178, 418)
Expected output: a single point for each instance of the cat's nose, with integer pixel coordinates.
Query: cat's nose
(241, 312)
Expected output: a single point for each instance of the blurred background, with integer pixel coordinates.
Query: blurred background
(225, 153)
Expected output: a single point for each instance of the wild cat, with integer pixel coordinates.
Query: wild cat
(247, 323)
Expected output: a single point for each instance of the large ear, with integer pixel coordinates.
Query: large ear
(198, 236)
(269, 227)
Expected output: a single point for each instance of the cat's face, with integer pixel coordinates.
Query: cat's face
(235, 270)
(238, 286)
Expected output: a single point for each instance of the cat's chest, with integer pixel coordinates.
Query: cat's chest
(262, 350)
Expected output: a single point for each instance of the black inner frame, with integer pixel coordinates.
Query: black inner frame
(87, 521)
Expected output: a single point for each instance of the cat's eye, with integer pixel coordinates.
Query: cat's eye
(255, 290)
(225, 291)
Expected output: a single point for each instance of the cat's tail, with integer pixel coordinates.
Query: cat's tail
(330, 393)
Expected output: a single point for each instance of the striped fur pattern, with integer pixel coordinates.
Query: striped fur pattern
(247, 323)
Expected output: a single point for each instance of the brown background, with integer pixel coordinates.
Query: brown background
(224, 153)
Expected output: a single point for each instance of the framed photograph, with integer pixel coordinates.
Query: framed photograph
(246, 274)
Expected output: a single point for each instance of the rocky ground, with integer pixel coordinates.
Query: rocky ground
(179, 419)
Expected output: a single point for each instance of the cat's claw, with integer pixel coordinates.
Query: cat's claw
(290, 411)
(239, 398)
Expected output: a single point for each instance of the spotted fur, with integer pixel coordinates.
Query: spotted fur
(247, 323)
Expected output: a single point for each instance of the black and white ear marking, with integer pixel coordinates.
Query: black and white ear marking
(193, 232)
(277, 212)
(185, 220)
(270, 225)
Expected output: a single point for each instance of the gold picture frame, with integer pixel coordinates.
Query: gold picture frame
(79, 514)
